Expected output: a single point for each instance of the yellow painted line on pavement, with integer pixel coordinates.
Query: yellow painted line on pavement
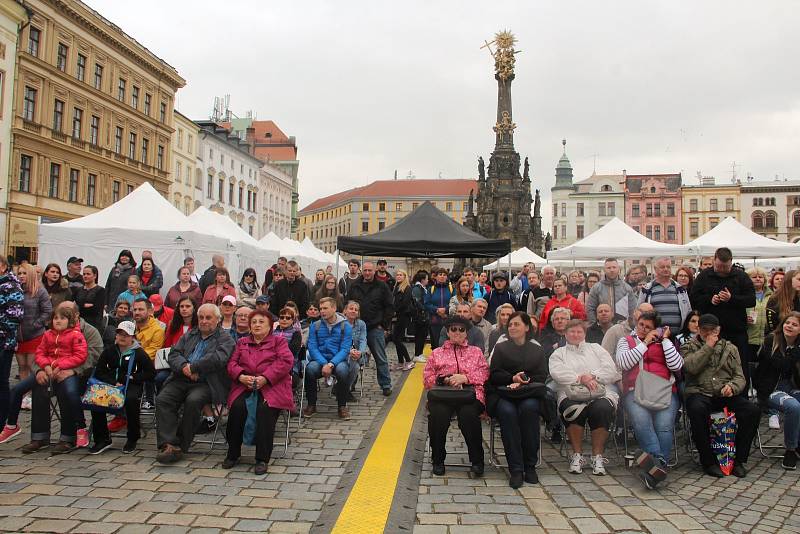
(367, 507)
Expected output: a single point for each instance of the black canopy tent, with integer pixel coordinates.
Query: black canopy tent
(426, 232)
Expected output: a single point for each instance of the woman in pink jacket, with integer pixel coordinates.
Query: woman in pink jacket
(456, 365)
(63, 349)
(260, 365)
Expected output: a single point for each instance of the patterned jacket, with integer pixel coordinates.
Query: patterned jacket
(463, 359)
(11, 310)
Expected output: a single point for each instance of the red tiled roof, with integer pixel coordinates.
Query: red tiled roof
(273, 147)
(398, 189)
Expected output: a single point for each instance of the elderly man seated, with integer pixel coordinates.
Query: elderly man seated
(198, 364)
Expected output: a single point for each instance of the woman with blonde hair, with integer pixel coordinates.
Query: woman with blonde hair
(37, 309)
(403, 306)
(785, 300)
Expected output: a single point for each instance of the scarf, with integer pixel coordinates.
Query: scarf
(249, 289)
(288, 333)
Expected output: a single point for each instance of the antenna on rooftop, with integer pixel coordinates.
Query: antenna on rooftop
(411, 175)
(222, 111)
(749, 177)
(395, 174)
(733, 171)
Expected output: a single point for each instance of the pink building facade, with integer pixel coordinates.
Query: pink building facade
(653, 205)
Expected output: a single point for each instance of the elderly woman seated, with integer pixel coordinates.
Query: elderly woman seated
(584, 374)
(197, 361)
(454, 377)
(260, 369)
(517, 363)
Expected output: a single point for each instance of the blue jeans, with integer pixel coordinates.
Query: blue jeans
(342, 373)
(519, 427)
(17, 392)
(68, 398)
(653, 429)
(786, 399)
(6, 357)
(377, 346)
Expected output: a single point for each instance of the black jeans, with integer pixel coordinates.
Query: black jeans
(398, 333)
(266, 418)
(6, 357)
(176, 393)
(66, 392)
(519, 427)
(100, 422)
(700, 407)
(743, 345)
(420, 337)
(439, 414)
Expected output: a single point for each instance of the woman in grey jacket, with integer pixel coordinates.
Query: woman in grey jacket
(37, 310)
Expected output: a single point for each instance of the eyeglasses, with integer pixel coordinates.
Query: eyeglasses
(456, 329)
(249, 275)
(286, 317)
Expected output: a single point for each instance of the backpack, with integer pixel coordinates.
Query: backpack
(419, 315)
(341, 329)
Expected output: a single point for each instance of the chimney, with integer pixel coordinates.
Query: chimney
(251, 139)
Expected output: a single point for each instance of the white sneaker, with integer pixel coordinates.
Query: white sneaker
(26, 402)
(576, 463)
(774, 422)
(599, 465)
(409, 366)
(420, 359)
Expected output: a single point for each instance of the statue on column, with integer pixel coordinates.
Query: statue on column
(481, 169)
(526, 170)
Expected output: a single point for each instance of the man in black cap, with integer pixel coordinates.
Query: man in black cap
(714, 379)
(383, 275)
(499, 295)
(74, 275)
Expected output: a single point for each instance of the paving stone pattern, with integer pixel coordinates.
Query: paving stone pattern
(765, 501)
(117, 493)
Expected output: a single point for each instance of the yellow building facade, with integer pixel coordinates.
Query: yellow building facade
(705, 206)
(186, 183)
(370, 209)
(92, 119)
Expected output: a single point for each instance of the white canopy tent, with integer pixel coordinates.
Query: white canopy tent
(517, 259)
(615, 239)
(142, 220)
(293, 251)
(743, 242)
(243, 251)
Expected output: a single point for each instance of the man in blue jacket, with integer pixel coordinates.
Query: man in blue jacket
(329, 343)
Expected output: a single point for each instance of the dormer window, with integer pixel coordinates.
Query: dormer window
(652, 189)
(605, 188)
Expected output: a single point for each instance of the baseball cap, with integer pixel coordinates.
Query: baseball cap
(74, 259)
(230, 299)
(262, 299)
(157, 301)
(128, 327)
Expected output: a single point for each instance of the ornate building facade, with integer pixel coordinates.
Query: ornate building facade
(653, 206)
(231, 177)
(582, 207)
(503, 200)
(92, 119)
(704, 206)
(772, 209)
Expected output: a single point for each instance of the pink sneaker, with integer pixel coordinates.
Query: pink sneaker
(83, 438)
(9, 433)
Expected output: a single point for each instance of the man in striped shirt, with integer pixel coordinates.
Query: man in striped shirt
(668, 298)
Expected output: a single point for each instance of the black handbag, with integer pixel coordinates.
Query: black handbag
(451, 395)
(524, 391)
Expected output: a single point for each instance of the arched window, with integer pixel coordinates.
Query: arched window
(605, 188)
(796, 219)
(652, 189)
(770, 219)
(758, 220)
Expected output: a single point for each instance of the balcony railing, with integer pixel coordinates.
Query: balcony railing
(58, 136)
(31, 126)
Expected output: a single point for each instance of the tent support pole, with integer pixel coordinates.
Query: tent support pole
(337, 265)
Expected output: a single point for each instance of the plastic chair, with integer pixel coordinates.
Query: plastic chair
(494, 456)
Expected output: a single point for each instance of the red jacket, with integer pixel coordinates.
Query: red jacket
(65, 350)
(271, 359)
(212, 296)
(570, 302)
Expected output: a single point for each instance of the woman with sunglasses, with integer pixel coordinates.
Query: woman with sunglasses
(288, 328)
(461, 366)
(517, 361)
(248, 289)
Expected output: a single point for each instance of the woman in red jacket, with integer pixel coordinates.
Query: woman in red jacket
(260, 365)
(222, 286)
(561, 299)
(63, 349)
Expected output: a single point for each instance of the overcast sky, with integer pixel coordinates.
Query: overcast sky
(371, 87)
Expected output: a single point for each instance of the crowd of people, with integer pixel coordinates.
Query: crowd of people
(571, 349)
